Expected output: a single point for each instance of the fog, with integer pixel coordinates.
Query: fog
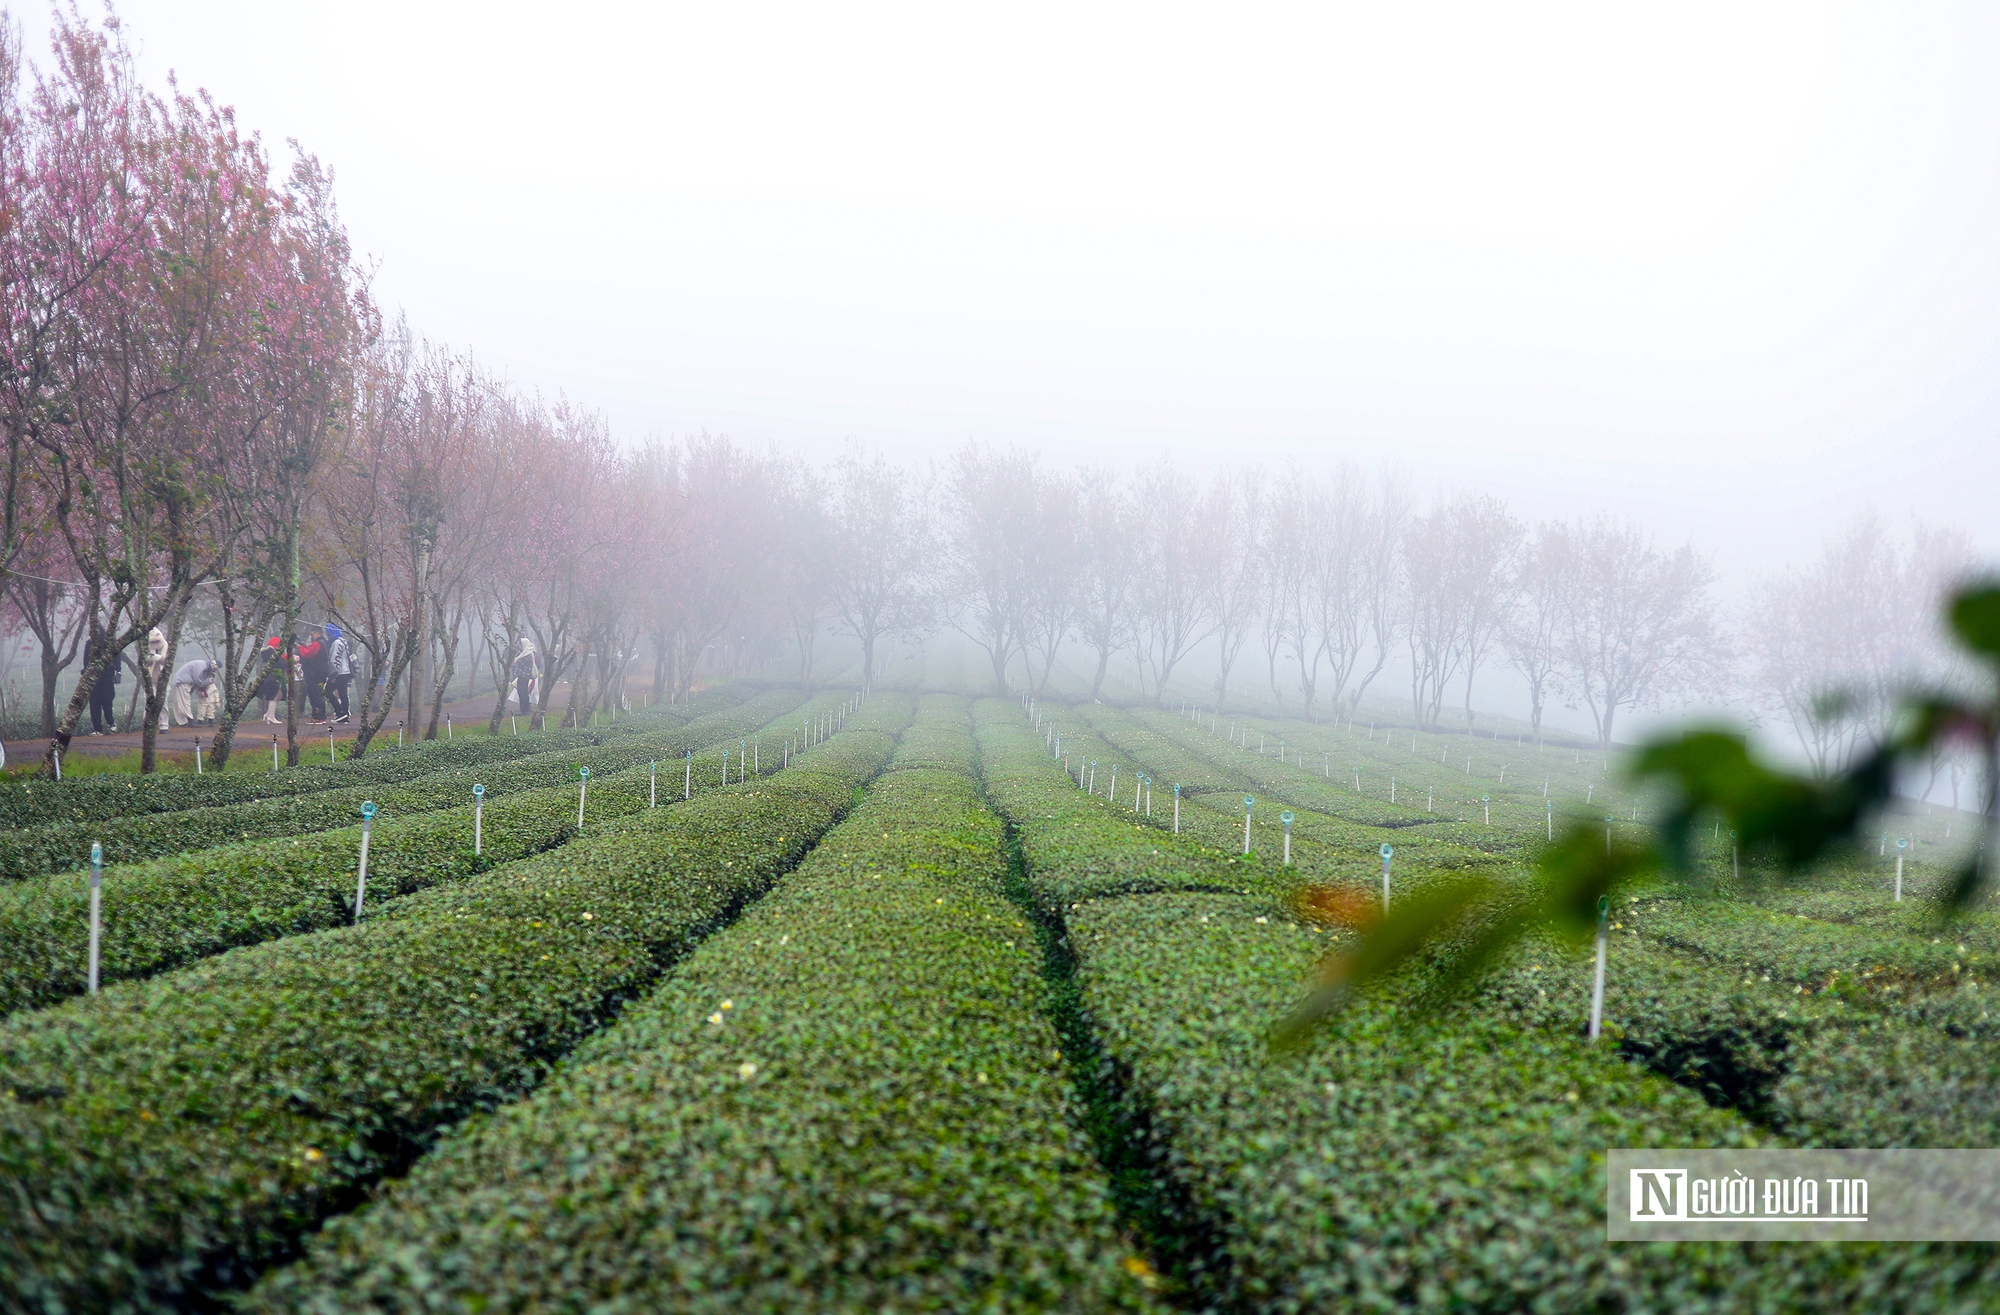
(1727, 270)
(1727, 276)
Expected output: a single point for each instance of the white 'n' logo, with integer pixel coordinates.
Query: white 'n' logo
(1659, 1194)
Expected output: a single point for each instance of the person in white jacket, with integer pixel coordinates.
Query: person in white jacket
(156, 666)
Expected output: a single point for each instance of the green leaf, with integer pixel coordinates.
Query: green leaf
(1975, 617)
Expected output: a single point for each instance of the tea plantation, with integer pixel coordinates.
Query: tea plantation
(935, 1002)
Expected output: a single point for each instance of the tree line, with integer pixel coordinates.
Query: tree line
(214, 433)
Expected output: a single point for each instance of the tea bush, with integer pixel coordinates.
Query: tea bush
(169, 912)
(851, 1099)
(95, 798)
(65, 846)
(172, 1136)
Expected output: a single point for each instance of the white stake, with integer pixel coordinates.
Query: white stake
(56, 753)
(1549, 806)
(274, 753)
(653, 784)
(582, 789)
(96, 908)
(361, 875)
(1486, 800)
(1177, 810)
(1597, 977)
(197, 758)
(1249, 803)
(478, 820)
(1902, 843)
(687, 789)
(515, 723)
(1388, 852)
(1286, 818)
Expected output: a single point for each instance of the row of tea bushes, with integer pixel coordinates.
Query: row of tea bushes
(1323, 848)
(1350, 826)
(852, 1099)
(169, 1138)
(1731, 999)
(1879, 957)
(96, 798)
(65, 846)
(1454, 1163)
(170, 912)
(1307, 785)
(1835, 1068)
(1516, 803)
(1105, 849)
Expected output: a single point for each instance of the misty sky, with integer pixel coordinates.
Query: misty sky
(1730, 270)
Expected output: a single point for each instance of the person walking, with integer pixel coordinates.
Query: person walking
(313, 661)
(104, 691)
(196, 678)
(339, 672)
(527, 668)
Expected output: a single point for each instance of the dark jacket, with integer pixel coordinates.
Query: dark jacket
(107, 679)
(314, 660)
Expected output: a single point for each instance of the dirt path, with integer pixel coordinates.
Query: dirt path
(176, 745)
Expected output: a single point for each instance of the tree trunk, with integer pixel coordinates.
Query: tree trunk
(50, 671)
(149, 730)
(504, 666)
(294, 686)
(420, 648)
(381, 696)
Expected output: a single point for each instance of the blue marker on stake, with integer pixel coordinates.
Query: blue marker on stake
(361, 876)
